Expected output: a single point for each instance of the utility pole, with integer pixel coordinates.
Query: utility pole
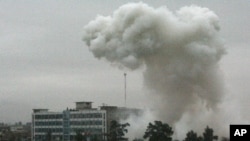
(125, 90)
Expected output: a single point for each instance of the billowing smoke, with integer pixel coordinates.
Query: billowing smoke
(179, 52)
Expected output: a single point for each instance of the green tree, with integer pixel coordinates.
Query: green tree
(225, 139)
(208, 134)
(117, 131)
(192, 136)
(49, 136)
(79, 136)
(94, 138)
(158, 132)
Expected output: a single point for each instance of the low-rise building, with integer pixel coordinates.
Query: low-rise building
(90, 122)
(15, 132)
(66, 124)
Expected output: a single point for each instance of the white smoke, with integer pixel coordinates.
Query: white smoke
(179, 50)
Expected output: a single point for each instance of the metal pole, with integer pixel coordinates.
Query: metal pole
(125, 89)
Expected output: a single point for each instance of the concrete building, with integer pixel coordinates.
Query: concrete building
(15, 132)
(88, 121)
(63, 126)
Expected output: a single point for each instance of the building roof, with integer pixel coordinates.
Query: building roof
(83, 102)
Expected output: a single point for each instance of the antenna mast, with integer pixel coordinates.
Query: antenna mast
(125, 90)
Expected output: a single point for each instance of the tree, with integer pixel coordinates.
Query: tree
(208, 134)
(225, 139)
(192, 136)
(94, 138)
(158, 132)
(79, 136)
(49, 135)
(117, 131)
(138, 139)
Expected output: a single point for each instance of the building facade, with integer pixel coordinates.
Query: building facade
(65, 125)
(94, 124)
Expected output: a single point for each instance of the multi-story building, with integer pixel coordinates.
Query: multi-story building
(65, 125)
(84, 120)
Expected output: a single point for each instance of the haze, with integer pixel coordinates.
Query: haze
(45, 64)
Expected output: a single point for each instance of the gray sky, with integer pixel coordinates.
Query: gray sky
(45, 64)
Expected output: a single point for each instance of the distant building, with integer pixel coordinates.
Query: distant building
(88, 121)
(13, 132)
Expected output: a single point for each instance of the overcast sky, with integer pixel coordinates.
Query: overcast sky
(45, 64)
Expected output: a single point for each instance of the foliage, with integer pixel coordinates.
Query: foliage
(49, 136)
(138, 139)
(79, 136)
(225, 139)
(158, 132)
(192, 136)
(117, 131)
(94, 138)
(208, 135)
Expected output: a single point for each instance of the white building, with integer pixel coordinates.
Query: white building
(64, 126)
(85, 120)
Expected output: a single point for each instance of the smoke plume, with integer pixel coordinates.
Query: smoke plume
(179, 52)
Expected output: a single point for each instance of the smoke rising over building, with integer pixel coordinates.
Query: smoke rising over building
(179, 52)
